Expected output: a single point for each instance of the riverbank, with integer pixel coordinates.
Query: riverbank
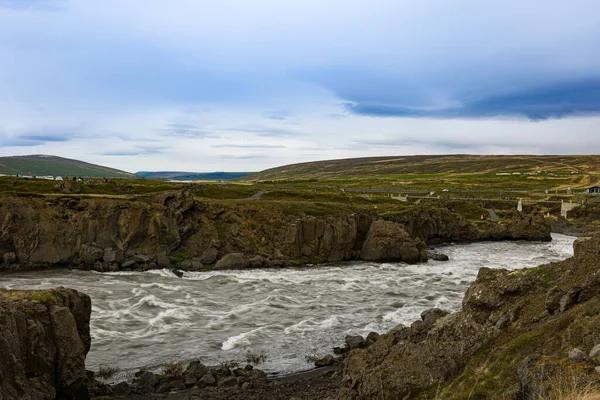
(176, 230)
(518, 334)
(290, 313)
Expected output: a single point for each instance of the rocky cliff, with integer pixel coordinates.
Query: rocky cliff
(175, 230)
(524, 334)
(44, 338)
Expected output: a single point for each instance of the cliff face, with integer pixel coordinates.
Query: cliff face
(44, 338)
(515, 338)
(174, 229)
(437, 225)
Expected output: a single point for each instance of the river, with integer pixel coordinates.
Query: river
(149, 318)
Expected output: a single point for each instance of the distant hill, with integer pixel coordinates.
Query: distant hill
(439, 164)
(43, 165)
(178, 175)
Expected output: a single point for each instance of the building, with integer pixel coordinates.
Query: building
(593, 190)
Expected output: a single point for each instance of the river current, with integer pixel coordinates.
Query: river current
(149, 318)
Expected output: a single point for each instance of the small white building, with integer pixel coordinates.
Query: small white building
(593, 190)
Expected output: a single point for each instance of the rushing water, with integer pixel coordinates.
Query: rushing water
(141, 319)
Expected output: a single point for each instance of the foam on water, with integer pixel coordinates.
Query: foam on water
(153, 317)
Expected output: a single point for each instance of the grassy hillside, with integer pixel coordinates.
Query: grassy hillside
(41, 165)
(444, 164)
(454, 172)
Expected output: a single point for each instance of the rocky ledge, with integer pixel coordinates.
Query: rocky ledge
(175, 230)
(524, 334)
(44, 338)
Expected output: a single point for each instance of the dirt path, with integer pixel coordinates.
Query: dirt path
(256, 196)
(493, 215)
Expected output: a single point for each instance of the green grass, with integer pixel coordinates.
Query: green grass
(221, 227)
(56, 166)
(438, 172)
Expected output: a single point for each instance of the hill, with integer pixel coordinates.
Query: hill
(43, 165)
(207, 176)
(384, 167)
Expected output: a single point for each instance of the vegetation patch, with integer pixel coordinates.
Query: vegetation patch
(255, 357)
(106, 372)
(173, 369)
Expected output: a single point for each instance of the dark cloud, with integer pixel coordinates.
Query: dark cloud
(550, 101)
(33, 138)
(402, 142)
(17, 142)
(45, 138)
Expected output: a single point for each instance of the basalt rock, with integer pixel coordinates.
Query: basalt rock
(388, 241)
(44, 338)
(483, 350)
(113, 256)
(231, 261)
(209, 256)
(325, 361)
(39, 231)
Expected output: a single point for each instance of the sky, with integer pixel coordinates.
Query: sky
(245, 85)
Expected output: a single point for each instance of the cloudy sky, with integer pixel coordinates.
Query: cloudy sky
(243, 85)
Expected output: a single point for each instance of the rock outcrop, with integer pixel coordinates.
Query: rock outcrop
(174, 230)
(504, 341)
(44, 338)
(388, 241)
(433, 224)
(231, 261)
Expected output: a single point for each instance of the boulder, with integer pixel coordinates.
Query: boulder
(207, 380)
(434, 255)
(553, 297)
(128, 264)
(9, 258)
(197, 265)
(121, 389)
(257, 262)
(142, 258)
(577, 354)
(178, 384)
(90, 254)
(177, 273)
(325, 361)
(209, 256)
(568, 300)
(372, 337)
(113, 256)
(430, 316)
(194, 373)
(595, 353)
(146, 382)
(355, 342)
(98, 267)
(44, 334)
(163, 261)
(388, 241)
(231, 261)
(229, 381)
